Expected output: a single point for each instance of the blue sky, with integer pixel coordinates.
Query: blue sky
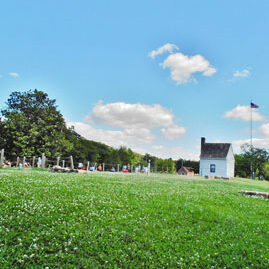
(93, 57)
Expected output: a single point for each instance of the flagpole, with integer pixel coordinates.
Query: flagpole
(250, 125)
(251, 168)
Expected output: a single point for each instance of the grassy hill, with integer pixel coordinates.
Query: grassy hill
(130, 221)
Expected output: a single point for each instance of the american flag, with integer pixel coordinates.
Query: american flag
(252, 105)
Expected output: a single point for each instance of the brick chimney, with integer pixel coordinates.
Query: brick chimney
(202, 142)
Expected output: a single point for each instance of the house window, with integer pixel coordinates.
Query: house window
(212, 168)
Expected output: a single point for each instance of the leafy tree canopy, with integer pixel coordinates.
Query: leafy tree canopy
(32, 125)
(250, 155)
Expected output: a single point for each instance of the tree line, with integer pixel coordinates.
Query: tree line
(31, 124)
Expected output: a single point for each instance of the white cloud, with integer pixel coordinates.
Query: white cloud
(209, 72)
(172, 132)
(242, 74)
(165, 48)
(174, 152)
(243, 113)
(126, 137)
(89, 119)
(182, 67)
(13, 74)
(136, 117)
(124, 115)
(130, 125)
(256, 142)
(264, 130)
(157, 147)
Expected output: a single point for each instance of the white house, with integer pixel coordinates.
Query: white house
(216, 159)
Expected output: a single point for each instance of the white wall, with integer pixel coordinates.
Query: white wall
(230, 163)
(221, 167)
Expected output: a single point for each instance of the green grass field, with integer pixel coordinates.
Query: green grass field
(107, 220)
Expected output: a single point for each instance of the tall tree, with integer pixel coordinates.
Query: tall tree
(258, 157)
(32, 125)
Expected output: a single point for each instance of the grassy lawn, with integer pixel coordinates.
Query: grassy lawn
(107, 220)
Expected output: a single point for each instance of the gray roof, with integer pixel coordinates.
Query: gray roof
(215, 150)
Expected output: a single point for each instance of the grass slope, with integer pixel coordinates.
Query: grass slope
(130, 221)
